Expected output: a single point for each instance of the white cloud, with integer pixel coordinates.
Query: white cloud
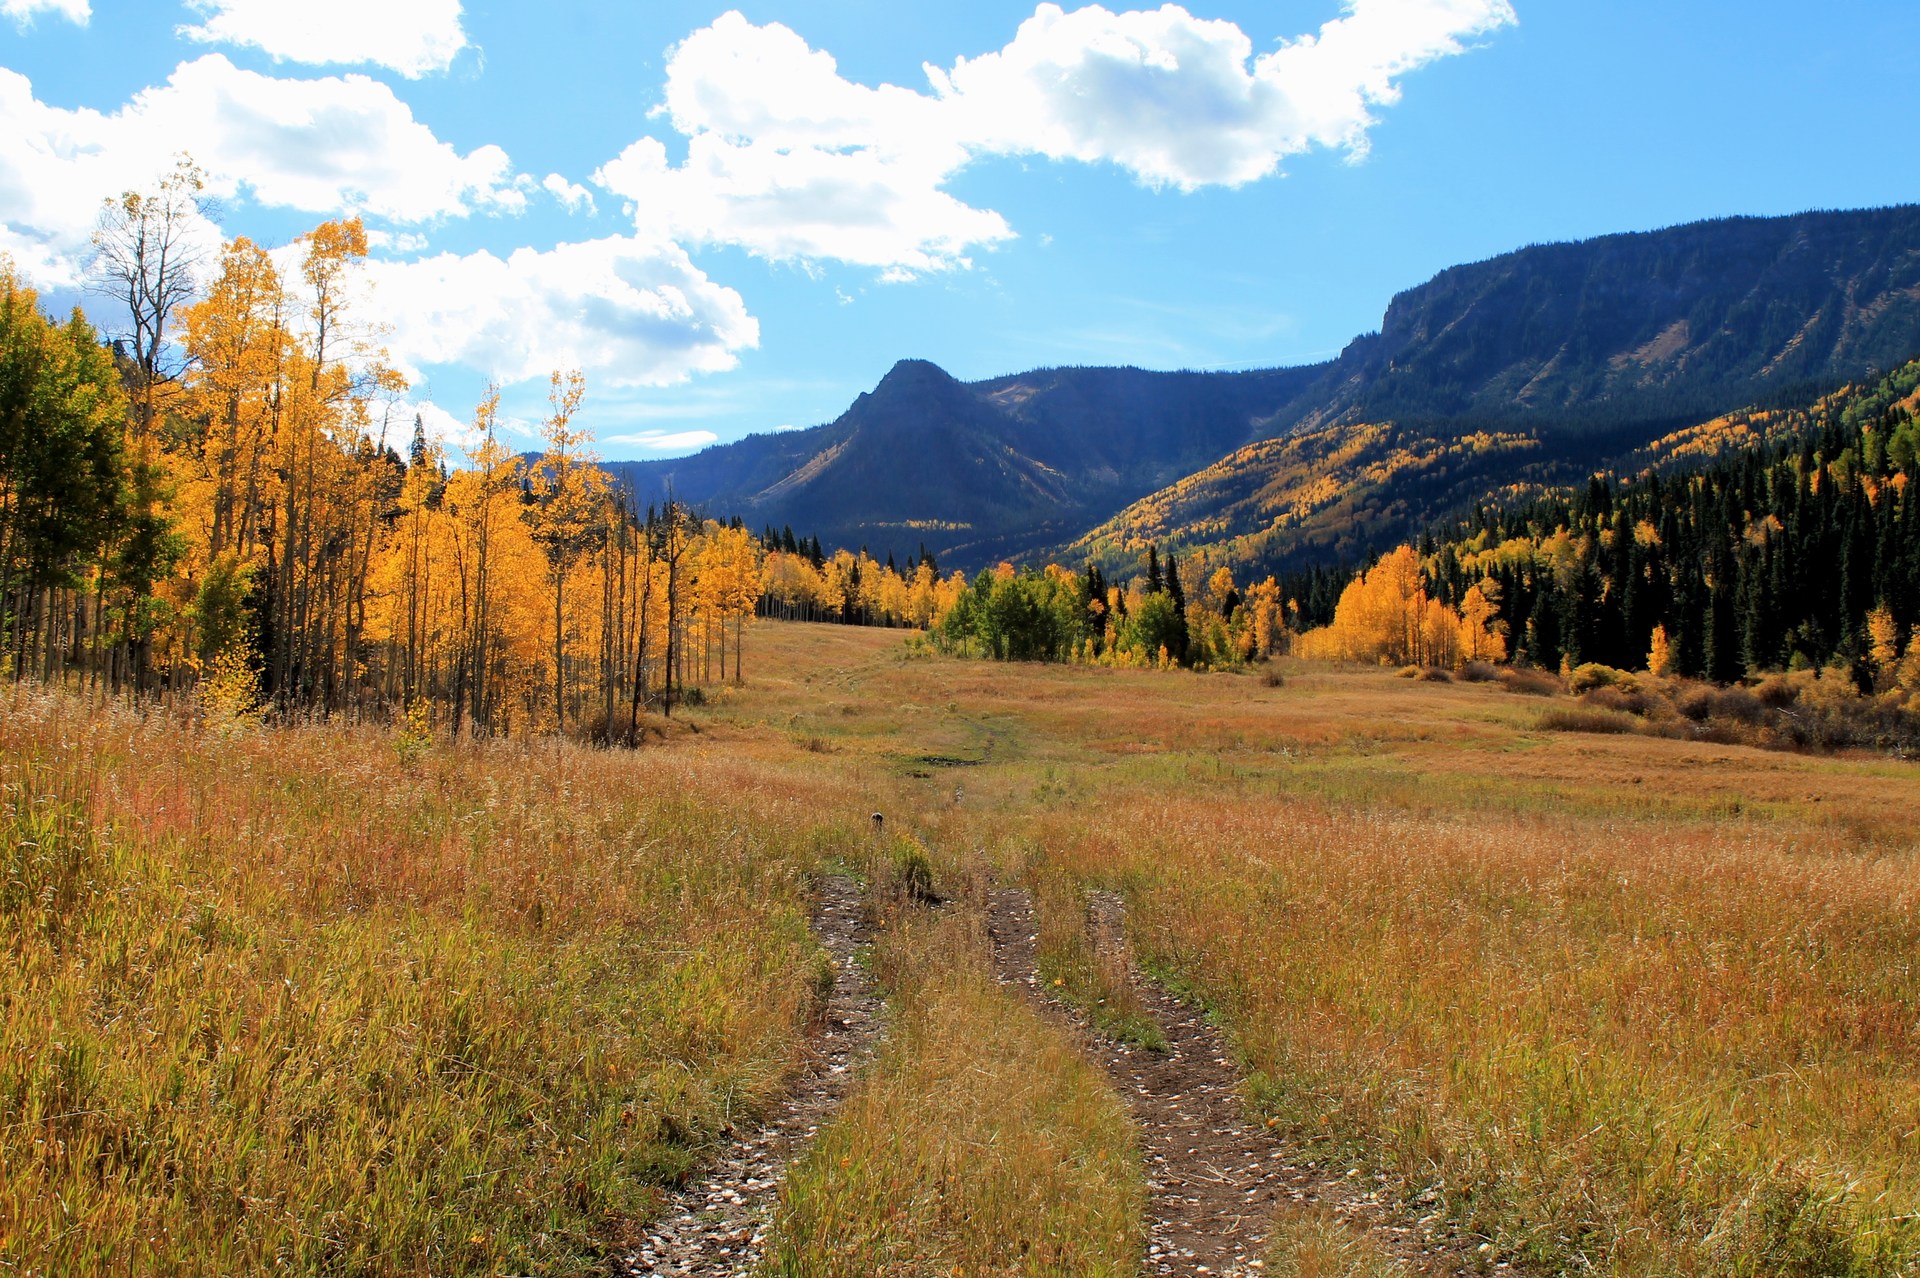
(412, 37)
(630, 312)
(40, 260)
(793, 162)
(864, 206)
(1174, 98)
(325, 146)
(455, 434)
(23, 12)
(572, 196)
(681, 441)
(396, 242)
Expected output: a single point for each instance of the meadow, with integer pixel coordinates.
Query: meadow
(339, 999)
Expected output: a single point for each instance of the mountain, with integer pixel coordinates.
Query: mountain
(1678, 323)
(1524, 368)
(975, 471)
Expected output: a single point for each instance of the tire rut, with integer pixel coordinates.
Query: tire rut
(717, 1226)
(1215, 1180)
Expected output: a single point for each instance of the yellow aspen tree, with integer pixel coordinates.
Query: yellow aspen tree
(1265, 606)
(675, 535)
(923, 595)
(1883, 640)
(474, 499)
(237, 344)
(1480, 639)
(1660, 654)
(739, 551)
(568, 488)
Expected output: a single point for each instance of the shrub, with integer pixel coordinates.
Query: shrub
(1736, 704)
(1594, 675)
(1621, 700)
(1693, 700)
(1530, 683)
(1434, 674)
(910, 872)
(1777, 691)
(1583, 718)
(1479, 672)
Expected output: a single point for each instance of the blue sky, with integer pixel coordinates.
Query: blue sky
(728, 221)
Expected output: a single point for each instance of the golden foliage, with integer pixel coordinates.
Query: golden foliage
(1385, 616)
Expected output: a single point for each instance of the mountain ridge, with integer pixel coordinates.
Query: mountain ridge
(1588, 348)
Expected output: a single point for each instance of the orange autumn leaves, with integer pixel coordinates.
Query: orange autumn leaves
(1386, 615)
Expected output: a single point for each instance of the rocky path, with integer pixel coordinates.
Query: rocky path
(1215, 1180)
(717, 1227)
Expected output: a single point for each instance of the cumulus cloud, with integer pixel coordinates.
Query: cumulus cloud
(630, 312)
(863, 206)
(1182, 101)
(442, 427)
(792, 161)
(324, 146)
(23, 12)
(412, 37)
(572, 196)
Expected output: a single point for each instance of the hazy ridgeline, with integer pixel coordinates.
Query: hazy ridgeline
(344, 999)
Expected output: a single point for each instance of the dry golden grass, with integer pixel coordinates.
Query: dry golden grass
(1310, 1243)
(1085, 957)
(1622, 1004)
(981, 1142)
(1634, 1005)
(297, 1001)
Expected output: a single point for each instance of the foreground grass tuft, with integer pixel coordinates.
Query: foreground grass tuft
(1314, 1243)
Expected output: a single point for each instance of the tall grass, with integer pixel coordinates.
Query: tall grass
(1619, 1004)
(1085, 958)
(1681, 1050)
(982, 1142)
(1315, 1243)
(308, 1001)
(300, 1002)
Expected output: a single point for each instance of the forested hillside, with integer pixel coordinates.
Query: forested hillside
(1801, 551)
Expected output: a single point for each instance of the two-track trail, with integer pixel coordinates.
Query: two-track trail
(717, 1226)
(1215, 1180)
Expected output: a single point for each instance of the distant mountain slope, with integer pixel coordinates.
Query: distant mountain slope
(1675, 323)
(1325, 495)
(1554, 357)
(975, 471)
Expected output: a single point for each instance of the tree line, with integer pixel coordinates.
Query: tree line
(216, 502)
(1801, 549)
(1056, 614)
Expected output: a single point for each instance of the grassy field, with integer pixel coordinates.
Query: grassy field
(1616, 1003)
(330, 999)
(304, 1001)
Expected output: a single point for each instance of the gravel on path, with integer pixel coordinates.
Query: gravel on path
(1215, 1180)
(717, 1226)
